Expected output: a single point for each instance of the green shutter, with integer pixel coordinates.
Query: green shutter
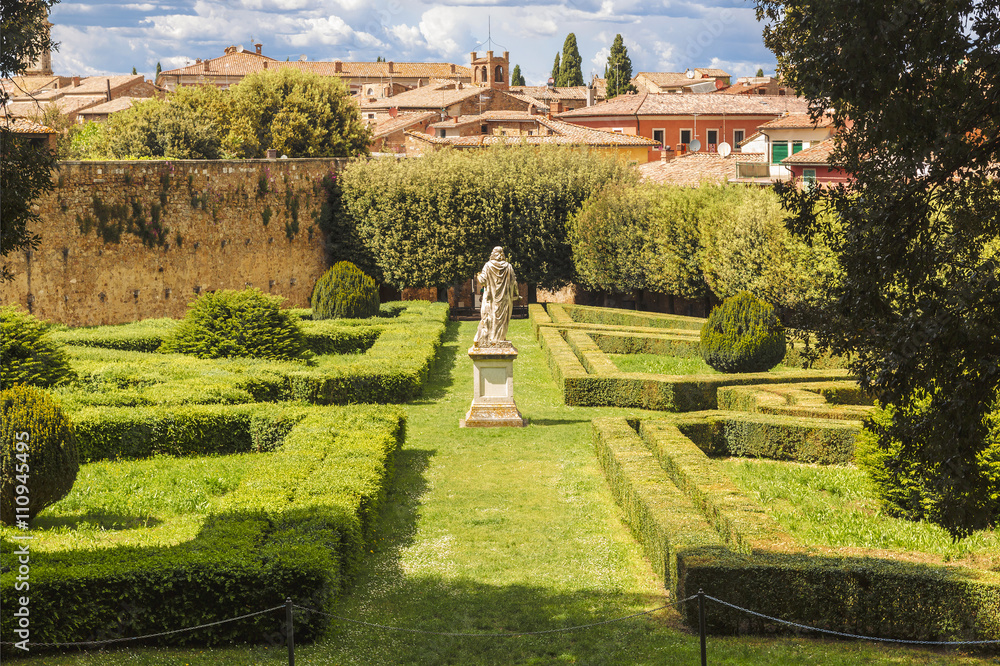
(779, 151)
(796, 147)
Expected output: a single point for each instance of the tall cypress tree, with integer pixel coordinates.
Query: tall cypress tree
(570, 73)
(516, 78)
(555, 70)
(618, 71)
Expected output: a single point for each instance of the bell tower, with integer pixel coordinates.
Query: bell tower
(491, 71)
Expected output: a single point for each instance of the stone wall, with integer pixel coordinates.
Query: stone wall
(123, 241)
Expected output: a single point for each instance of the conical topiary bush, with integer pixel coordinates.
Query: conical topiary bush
(743, 334)
(345, 292)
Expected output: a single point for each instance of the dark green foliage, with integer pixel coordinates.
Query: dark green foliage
(296, 526)
(680, 532)
(608, 235)
(339, 230)
(25, 174)
(910, 488)
(345, 292)
(28, 354)
(516, 78)
(111, 220)
(618, 71)
(743, 335)
(570, 73)
(555, 69)
(918, 307)
(38, 456)
(228, 323)
(432, 222)
(155, 128)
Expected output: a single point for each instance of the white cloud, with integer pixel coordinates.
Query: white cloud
(664, 56)
(600, 60)
(438, 25)
(409, 35)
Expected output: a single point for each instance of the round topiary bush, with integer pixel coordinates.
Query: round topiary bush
(743, 335)
(345, 292)
(27, 354)
(248, 323)
(38, 457)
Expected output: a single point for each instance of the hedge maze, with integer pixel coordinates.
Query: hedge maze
(699, 530)
(298, 521)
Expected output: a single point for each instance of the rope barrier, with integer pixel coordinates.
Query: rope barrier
(495, 635)
(162, 633)
(840, 633)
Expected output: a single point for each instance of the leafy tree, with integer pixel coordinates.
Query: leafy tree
(157, 128)
(608, 235)
(158, 70)
(570, 73)
(516, 79)
(555, 70)
(301, 114)
(915, 93)
(133, 70)
(25, 168)
(432, 222)
(760, 72)
(618, 71)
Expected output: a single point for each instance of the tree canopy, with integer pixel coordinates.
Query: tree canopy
(619, 69)
(914, 90)
(555, 70)
(25, 168)
(570, 73)
(516, 78)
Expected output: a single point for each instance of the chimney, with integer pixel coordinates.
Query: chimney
(391, 66)
(591, 94)
(197, 61)
(663, 154)
(258, 47)
(338, 67)
(551, 83)
(265, 64)
(205, 63)
(452, 68)
(556, 106)
(76, 81)
(456, 119)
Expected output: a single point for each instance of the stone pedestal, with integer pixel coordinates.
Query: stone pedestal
(493, 393)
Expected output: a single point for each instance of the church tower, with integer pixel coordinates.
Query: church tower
(43, 65)
(491, 71)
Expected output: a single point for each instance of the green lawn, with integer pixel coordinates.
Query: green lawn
(510, 530)
(159, 501)
(835, 506)
(656, 364)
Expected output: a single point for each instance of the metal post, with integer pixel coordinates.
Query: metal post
(701, 625)
(291, 631)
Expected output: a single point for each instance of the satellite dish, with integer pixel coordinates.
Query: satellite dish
(725, 149)
(240, 49)
(302, 58)
(694, 146)
(688, 73)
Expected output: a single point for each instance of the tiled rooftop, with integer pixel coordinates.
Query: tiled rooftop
(486, 116)
(694, 168)
(428, 97)
(24, 126)
(118, 104)
(545, 93)
(818, 154)
(401, 122)
(649, 104)
(798, 121)
(563, 133)
(247, 62)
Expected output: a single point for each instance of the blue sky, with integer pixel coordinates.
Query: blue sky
(111, 37)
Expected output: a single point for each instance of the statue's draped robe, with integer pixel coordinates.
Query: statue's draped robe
(499, 288)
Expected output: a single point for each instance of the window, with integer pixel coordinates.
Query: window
(685, 136)
(483, 129)
(738, 136)
(441, 134)
(498, 73)
(779, 151)
(659, 136)
(809, 178)
(618, 130)
(796, 147)
(712, 136)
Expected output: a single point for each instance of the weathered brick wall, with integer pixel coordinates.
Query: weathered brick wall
(123, 241)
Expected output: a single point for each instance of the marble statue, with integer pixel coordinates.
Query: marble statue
(499, 293)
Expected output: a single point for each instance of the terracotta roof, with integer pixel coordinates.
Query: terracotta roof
(667, 104)
(98, 85)
(401, 122)
(666, 79)
(563, 134)
(694, 168)
(527, 98)
(752, 137)
(428, 97)
(546, 93)
(24, 126)
(247, 62)
(19, 85)
(486, 116)
(710, 71)
(818, 154)
(117, 104)
(798, 121)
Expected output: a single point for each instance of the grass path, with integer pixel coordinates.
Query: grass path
(510, 530)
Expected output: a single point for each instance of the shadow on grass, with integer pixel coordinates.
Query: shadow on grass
(558, 422)
(440, 378)
(94, 519)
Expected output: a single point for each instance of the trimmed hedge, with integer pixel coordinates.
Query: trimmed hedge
(743, 334)
(392, 370)
(344, 291)
(802, 400)
(295, 526)
(28, 352)
(762, 569)
(585, 314)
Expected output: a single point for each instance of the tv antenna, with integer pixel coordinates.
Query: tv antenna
(489, 36)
